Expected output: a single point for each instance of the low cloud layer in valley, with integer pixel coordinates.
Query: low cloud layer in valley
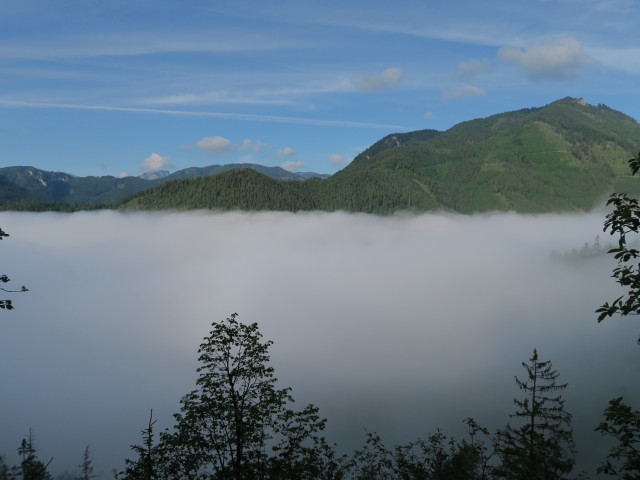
(401, 324)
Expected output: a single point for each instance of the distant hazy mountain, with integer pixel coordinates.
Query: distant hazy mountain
(565, 156)
(37, 189)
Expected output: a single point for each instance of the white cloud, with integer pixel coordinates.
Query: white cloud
(465, 91)
(560, 59)
(375, 82)
(338, 159)
(215, 145)
(292, 166)
(155, 162)
(472, 68)
(286, 152)
(254, 147)
(428, 115)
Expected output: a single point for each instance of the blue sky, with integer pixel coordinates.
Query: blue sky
(112, 87)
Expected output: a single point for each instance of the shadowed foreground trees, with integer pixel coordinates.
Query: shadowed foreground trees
(437, 457)
(621, 421)
(238, 424)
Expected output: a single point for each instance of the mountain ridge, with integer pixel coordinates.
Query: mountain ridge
(31, 184)
(564, 156)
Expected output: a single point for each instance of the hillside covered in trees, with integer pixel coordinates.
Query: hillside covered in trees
(566, 156)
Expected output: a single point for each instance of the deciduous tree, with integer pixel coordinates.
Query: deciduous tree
(237, 423)
(624, 222)
(622, 423)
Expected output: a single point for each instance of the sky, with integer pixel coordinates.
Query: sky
(400, 324)
(125, 87)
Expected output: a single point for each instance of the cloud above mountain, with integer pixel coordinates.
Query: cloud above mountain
(155, 162)
(563, 58)
(214, 145)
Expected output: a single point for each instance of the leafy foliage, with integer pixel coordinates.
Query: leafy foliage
(237, 424)
(541, 448)
(624, 221)
(437, 457)
(622, 423)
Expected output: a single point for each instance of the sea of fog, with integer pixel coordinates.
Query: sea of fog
(399, 325)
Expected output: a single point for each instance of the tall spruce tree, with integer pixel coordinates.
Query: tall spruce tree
(541, 446)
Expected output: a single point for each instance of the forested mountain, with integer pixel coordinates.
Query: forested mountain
(565, 156)
(39, 188)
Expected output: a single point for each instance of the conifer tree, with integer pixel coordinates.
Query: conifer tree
(541, 447)
(86, 467)
(4, 469)
(30, 468)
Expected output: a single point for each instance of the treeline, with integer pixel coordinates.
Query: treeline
(239, 424)
(245, 189)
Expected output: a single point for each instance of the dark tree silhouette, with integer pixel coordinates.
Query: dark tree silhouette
(541, 447)
(237, 424)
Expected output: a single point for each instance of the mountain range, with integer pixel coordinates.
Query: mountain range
(26, 187)
(565, 156)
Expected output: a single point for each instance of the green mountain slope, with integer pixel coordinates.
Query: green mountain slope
(565, 156)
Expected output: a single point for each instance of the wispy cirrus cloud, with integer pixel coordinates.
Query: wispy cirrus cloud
(227, 115)
(212, 97)
(145, 43)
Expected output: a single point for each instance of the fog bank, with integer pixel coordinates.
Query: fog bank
(399, 324)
